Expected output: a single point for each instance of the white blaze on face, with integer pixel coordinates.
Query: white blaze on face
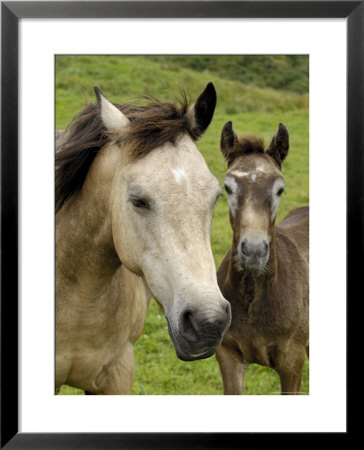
(233, 197)
(253, 174)
(240, 173)
(178, 173)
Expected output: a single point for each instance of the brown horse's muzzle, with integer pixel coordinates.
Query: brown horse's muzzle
(253, 250)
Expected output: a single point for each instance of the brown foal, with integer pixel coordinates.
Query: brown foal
(265, 274)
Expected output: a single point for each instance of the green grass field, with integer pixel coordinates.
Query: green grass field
(253, 109)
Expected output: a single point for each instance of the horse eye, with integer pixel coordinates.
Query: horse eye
(280, 192)
(227, 189)
(139, 203)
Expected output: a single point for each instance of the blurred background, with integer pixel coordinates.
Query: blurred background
(256, 92)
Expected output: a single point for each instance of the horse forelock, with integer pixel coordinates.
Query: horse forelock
(245, 145)
(151, 126)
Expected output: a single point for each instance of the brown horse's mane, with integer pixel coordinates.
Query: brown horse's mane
(151, 126)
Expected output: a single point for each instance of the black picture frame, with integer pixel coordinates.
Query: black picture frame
(11, 12)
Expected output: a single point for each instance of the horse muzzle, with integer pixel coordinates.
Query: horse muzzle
(198, 334)
(253, 250)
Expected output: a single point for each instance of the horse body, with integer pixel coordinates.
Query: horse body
(130, 231)
(100, 304)
(265, 273)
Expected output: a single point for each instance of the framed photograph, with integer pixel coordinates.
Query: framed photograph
(53, 53)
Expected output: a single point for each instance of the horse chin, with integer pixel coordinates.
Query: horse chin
(255, 267)
(193, 357)
(188, 354)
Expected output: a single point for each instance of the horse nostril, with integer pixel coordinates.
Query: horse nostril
(244, 247)
(254, 248)
(189, 329)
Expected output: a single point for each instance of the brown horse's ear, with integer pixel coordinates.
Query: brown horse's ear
(279, 146)
(201, 112)
(227, 141)
(113, 119)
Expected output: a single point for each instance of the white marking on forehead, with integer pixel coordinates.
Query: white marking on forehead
(178, 173)
(253, 177)
(240, 173)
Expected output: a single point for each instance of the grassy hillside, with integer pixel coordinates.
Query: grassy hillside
(282, 72)
(123, 79)
(253, 109)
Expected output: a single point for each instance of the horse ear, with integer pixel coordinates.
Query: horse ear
(227, 141)
(201, 112)
(279, 146)
(111, 116)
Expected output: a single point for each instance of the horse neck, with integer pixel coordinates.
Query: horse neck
(84, 242)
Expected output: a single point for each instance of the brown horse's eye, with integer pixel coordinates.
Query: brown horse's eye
(280, 192)
(227, 189)
(139, 203)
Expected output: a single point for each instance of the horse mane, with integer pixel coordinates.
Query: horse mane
(151, 126)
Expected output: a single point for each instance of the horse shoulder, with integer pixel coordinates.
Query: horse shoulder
(94, 333)
(295, 226)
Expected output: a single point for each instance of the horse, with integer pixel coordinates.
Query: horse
(265, 273)
(134, 200)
